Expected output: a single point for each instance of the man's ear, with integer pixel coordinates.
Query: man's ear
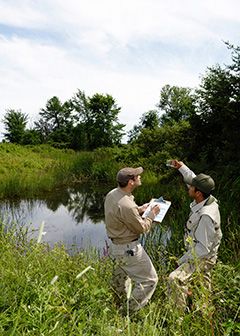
(199, 193)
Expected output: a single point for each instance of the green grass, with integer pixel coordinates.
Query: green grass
(28, 171)
(48, 292)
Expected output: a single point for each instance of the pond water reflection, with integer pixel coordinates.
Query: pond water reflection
(73, 216)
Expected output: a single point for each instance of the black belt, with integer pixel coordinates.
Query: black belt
(112, 239)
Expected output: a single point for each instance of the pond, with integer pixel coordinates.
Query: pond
(73, 216)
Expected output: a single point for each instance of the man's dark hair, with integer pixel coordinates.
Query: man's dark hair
(205, 196)
(124, 184)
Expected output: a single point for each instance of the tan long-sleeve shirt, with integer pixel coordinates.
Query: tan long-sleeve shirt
(123, 221)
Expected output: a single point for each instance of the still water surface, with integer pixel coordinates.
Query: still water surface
(72, 216)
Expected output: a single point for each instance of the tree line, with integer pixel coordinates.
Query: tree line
(200, 123)
(81, 123)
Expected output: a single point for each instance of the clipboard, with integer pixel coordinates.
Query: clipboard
(164, 206)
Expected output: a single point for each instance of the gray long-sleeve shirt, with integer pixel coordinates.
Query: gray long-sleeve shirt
(203, 227)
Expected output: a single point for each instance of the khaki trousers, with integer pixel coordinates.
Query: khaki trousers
(132, 262)
(181, 277)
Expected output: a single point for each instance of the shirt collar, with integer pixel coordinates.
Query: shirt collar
(197, 206)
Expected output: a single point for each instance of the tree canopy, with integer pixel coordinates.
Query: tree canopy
(216, 124)
(82, 123)
(15, 124)
(97, 121)
(202, 124)
(176, 103)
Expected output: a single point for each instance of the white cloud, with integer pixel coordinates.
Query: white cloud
(20, 14)
(129, 49)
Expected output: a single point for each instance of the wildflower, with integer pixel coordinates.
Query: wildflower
(129, 290)
(40, 232)
(84, 271)
(54, 279)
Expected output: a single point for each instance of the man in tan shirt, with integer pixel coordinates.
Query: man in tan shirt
(124, 226)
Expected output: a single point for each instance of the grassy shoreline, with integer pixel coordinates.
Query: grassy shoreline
(47, 292)
(30, 170)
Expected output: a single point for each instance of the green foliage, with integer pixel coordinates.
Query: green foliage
(149, 120)
(164, 142)
(98, 124)
(45, 291)
(177, 103)
(125, 155)
(56, 123)
(15, 123)
(212, 115)
(227, 290)
(218, 122)
(31, 137)
(31, 170)
(82, 123)
(82, 165)
(228, 194)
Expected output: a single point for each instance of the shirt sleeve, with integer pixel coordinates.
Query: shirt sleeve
(186, 172)
(135, 222)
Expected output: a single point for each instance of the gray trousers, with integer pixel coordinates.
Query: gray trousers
(132, 263)
(180, 279)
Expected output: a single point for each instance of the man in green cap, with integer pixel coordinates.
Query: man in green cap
(202, 234)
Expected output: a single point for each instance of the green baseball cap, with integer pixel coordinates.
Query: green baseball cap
(202, 182)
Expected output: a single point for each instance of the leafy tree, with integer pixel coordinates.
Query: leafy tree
(216, 126)
(177, 103)
(31, 137)
(134, 133)
(15, 124)
(104, 112)
(97, 117)
(79, 137)
(172, 139)
(149, 120)
(56, 122)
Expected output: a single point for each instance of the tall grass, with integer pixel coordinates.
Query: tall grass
(28, 170)
(45, 291)
(31, 170)
(48, 292)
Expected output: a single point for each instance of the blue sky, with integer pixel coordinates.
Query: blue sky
(129, 49)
